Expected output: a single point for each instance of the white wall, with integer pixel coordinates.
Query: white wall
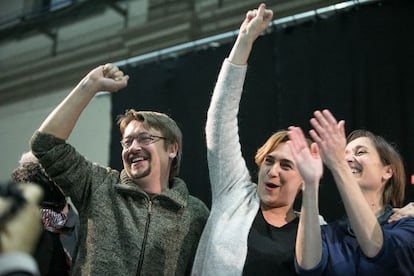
(18, 121)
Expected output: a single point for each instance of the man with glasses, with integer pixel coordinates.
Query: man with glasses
(140, 221)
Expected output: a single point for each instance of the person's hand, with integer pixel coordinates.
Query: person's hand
(21, 232)
(330, 137)
(106, 77)
(256, 22)
(399, 213)
(308, 160)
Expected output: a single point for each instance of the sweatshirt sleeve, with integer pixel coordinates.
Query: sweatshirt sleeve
(72, 172)
(225, 161)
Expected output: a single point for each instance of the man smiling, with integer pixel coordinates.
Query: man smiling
(140, 221)
(149, 158)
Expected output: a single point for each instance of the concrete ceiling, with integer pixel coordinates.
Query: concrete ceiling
(167, 23)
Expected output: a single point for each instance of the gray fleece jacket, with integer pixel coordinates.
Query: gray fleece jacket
(223, 245)
(123, 231)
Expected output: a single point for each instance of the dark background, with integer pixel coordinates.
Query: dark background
(358, 63)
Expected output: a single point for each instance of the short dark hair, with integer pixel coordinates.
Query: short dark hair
(161, 122)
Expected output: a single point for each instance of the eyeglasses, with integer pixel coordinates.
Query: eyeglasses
(143, 139)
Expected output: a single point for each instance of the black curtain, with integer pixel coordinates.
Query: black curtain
(357, 63)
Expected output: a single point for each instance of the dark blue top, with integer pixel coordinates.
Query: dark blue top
(341, 254)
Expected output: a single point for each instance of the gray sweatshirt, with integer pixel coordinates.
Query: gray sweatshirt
(122, 230)
(223, 245)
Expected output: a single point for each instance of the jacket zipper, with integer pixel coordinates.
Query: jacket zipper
(144, 241)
